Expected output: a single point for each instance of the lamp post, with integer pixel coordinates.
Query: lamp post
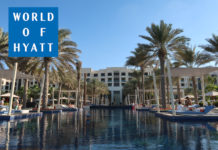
(171, 87)
(155, 92)
(40, 97)
(12, 89)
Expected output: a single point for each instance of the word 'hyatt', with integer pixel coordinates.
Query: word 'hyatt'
(32, 47)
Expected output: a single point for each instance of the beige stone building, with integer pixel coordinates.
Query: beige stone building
(114, 77)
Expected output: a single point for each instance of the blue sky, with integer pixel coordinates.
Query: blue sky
(107, 30)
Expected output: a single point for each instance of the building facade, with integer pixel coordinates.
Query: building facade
(186, 82)
(114, 77)
(6, 81)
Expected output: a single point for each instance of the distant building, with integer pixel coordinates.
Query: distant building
(186, 82)
(114, 77)
(6, 80)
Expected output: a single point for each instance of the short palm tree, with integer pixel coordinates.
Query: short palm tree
(163, 39)
(96, 88)
(63, 77)
(141, 58)
(190, 58)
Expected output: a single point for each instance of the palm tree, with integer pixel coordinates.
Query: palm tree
(212, 47)
(67, 58)
(96, 88)
(141, 58)
(163, 39)
(3, 47)
(190, 59)
(64, 78)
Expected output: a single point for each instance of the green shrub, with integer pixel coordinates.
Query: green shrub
(215, 104)
(201, 104)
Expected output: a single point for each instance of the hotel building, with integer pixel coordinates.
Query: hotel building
(114, 77)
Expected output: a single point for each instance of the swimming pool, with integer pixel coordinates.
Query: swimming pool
(107, 130)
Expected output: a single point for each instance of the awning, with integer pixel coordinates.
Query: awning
(212, 93)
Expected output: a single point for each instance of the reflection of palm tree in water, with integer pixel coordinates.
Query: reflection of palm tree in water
(76, 131)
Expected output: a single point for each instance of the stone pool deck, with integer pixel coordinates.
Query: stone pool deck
(49, 111)
(143, 109)
(188, 117)
(5, 117)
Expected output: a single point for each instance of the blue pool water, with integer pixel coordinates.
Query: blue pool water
(107, 130)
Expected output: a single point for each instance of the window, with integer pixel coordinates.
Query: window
(102, 74)
(102, 80)
(130, 74)
(123, 73)
(88, 74)
(109, 79)
(109, 74)
(95, 75)
(182, 79)
(116, 80)
(123, 79)
(130, 78)
(123, 84)
(182, 84)
(116, 84)
(109, 84)
(145, 73)
(116, 73)
(87, 80)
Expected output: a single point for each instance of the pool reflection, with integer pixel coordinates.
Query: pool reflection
(107, 129)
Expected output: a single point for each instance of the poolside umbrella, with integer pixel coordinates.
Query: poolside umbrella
(212, 93)
(63, 98)
(8, 95)
(189, 96)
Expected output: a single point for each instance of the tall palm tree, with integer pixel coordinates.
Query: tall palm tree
(212, 47)
(190, 58)
(141, 58)
(67, 57)
(163, 39)
(3, 47)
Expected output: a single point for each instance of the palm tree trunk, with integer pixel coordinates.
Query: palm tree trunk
(46, 85)
(162, 71)
(85, 89)
(168, 92)
(25, 93)
(178, 89)
(59, 93)
(195, 90)
(143, 85)
(78, 97)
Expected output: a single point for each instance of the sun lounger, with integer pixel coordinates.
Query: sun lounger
(206, 110)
